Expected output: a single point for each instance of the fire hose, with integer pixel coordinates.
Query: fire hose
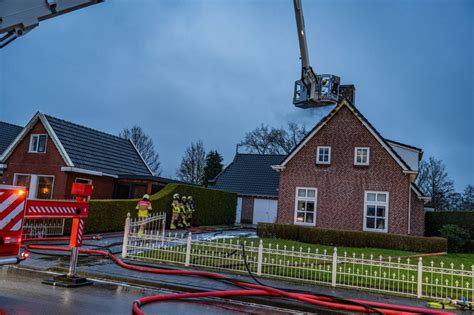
(250, 289)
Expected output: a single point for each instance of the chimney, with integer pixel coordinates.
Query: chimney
(348, 92)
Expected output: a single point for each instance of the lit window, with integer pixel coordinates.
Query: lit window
(361, 156)
(305, 206)
(323, 155)
(39, 186)
(38, 143)
(44, 187)
(376, 211)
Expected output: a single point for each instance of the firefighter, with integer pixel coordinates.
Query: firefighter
(190, 206)
(182, 223)
(176, 206)
(143, 209)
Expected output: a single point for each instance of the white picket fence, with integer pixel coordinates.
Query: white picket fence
(39, 228)
(408, 277)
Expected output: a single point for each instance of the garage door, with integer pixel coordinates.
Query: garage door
(264, 210)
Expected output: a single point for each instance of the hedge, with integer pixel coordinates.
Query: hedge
(434, 221)
(352, 238)
(213, 207)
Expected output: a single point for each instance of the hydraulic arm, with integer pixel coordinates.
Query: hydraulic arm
(312, 90)
(18, 17)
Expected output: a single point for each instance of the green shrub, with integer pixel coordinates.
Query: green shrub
(213, 207)
(469, 246)
(456, 236)
(434, 221)
(352, 238)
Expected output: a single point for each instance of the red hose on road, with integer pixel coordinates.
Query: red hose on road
(255, 288)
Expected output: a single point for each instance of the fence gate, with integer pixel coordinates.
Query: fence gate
(40, 228)
(144, 233)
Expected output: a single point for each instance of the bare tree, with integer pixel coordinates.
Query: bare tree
(145, 146)
(291, 137)
(433, 180)
(261, 140)
(192, 165)
(271, 140)
(468, 198)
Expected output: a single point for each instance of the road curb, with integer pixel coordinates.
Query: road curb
(172, 286)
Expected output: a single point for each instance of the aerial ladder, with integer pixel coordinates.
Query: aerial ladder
(18, 17)
(312, 90)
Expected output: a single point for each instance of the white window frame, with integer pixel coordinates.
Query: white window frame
(315, 199)
(34, 184)
(376, 203)
(38, 135)
(317, 155)
(89, 181)
(368, 156)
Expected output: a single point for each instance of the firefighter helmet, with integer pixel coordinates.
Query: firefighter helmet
(146, 196)
(190, 198)
(176, 196)
(184, 198)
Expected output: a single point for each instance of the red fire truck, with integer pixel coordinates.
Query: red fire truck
(15, 208)
(12, 216)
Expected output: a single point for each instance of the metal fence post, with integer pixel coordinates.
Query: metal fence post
(419, 289)
(125, 236)
(163, 228)
(472, 283)
(188, 250)
(334, 268)
(260, 258)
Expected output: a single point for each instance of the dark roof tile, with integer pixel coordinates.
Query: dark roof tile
(251, 175)
(8, 133)
(98, 151)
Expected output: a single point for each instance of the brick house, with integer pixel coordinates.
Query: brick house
(49, 154)
(251, 176)
(345, 175)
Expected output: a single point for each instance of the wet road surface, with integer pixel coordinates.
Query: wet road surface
(22, 293)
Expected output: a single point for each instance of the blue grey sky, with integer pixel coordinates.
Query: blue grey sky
(212, 70)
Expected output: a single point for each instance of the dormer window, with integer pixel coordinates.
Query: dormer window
(361, 156)
(38, 143)
(323, 155)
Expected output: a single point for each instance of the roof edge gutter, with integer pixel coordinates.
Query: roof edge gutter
(84, 171)
(278, 168)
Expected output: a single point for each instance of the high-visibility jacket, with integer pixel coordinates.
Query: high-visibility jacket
(143, 207)
(176, 207)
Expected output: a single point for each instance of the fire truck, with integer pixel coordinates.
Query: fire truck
(12, 216)
(15, 208)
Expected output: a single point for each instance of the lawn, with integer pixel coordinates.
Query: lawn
(314, 263)
(456, 258)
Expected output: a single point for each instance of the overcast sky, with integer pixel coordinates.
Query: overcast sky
(213, 70)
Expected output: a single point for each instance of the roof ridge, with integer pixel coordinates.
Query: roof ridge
(262, 154)
(360, 116)
(85, 127)
(403, 144)
(4, 122)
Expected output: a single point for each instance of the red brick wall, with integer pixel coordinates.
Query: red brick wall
(417, 215)
(247, 210)
(341, 185)
(48, 163)
(103, 186)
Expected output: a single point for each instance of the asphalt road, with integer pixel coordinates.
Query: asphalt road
(22, 293)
